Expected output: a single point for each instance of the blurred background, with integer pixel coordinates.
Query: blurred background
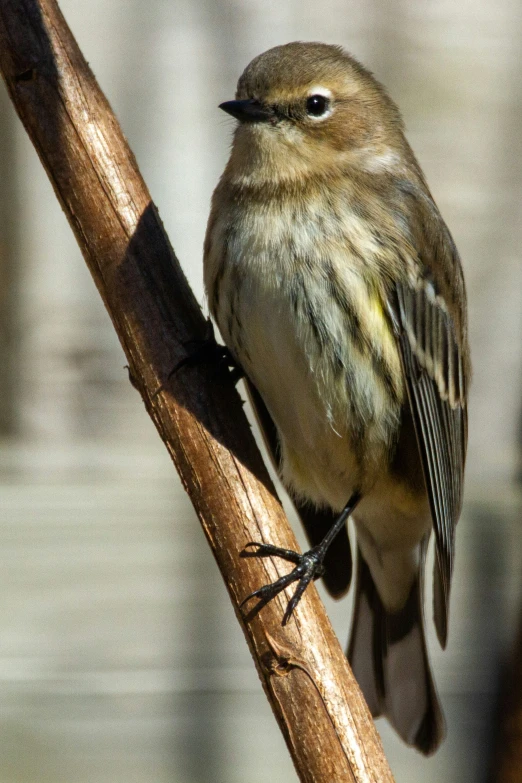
(120, 656)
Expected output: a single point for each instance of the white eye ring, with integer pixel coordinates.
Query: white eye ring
(319, 103)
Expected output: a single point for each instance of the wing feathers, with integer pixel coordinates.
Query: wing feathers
(434, 372)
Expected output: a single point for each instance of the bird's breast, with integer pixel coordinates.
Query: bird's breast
(301, 309)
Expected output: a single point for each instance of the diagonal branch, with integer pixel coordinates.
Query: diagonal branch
(305, 674)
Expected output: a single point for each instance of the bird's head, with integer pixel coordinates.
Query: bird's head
(309, 108)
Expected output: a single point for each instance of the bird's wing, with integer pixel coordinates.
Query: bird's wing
(435, 364)
(317, 522)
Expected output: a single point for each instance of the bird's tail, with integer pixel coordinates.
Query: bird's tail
(389, 659)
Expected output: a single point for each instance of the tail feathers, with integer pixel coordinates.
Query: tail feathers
(389, 659)
(440, 605)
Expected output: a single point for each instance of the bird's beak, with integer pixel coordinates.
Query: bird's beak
(247, 111)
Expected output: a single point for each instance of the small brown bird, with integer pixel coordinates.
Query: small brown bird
(338, 289)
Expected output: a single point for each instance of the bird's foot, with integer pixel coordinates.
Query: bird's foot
(308, 567)
(207, 350)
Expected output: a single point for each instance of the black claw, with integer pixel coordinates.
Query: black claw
(309, 566)
(267, 592)
(269, 550)
(301, 587)
(207, 349)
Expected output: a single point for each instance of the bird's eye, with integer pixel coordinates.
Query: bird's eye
(317, 105)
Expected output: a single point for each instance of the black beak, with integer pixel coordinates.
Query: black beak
(247, 111)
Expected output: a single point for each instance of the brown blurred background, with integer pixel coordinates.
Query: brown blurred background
(120, 658)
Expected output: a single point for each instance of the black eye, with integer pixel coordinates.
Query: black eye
(317, 105)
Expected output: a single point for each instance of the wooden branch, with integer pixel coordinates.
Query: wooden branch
(199, 416)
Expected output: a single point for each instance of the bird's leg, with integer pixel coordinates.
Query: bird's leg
(207, 349)
(308, 566)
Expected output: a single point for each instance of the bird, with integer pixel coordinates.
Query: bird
(339, 292)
